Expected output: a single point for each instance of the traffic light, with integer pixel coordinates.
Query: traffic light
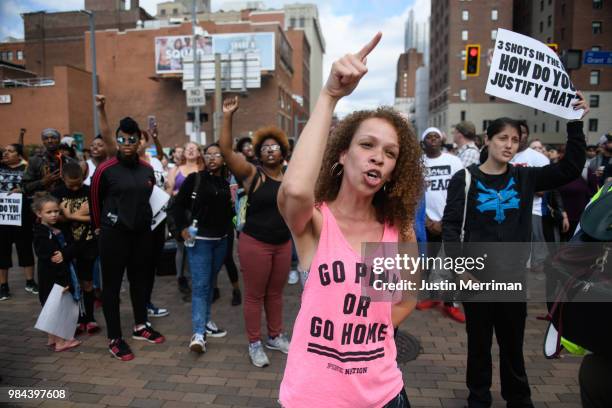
(472, 60)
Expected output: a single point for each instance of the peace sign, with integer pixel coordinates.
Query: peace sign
(347, 71)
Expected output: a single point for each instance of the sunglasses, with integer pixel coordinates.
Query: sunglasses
(122, 140)
(209, 156)
(270, 148)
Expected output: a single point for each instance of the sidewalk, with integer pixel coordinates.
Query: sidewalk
(168, 375)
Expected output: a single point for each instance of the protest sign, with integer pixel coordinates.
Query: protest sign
(158, 200)
(10, 209)
(526, 71)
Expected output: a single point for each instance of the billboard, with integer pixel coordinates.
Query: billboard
(171, 51)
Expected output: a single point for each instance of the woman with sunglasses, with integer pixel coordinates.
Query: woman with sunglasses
(264, 246)
(121, 214)
(212, 210)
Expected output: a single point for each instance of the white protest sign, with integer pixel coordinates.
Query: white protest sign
(528, 72)
(158, 200)
(10, 209)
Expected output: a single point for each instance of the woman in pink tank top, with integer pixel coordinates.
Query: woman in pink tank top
(361, 185)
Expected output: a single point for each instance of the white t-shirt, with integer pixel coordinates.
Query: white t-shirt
(532, 158)
(438, 173)
(91, 169)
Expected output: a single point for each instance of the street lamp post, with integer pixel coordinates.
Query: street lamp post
(94, 75)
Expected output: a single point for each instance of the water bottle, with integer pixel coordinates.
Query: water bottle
(193, 231)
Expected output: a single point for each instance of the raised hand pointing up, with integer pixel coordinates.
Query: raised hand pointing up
(347, 71)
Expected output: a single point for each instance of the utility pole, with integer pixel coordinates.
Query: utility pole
(196, 71)
(94, 75)
(217, 117)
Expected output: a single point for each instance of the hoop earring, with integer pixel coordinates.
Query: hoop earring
(333, 169)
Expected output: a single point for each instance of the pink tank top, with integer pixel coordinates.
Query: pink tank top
(337, 359)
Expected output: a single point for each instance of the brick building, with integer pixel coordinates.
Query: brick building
(572, 24)
(56, 39)
(12, 51)
(405, 83)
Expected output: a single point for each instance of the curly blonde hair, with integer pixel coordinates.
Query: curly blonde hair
(270, 132)
(396, 203)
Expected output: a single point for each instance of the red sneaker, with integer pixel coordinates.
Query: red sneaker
(427, 304)
(454, 313)
(81, 328)
(92, 328)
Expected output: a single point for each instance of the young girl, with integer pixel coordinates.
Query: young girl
(53, 256)
(362, 184)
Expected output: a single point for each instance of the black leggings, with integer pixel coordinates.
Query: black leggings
(230, 265)
(159, 238)
(399, 401)
(120, 250)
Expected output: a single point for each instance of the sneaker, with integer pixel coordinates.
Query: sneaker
(280, 343)
(258, 355)
(183, 285)
(120, 350)
(294, 277)
(156, 311)
(454, 313)
(427, 304)
(213, 331)
(236, 297)
(31, 287)
(4, 292)
(198, 343)
(216, 294)
(92, 328)
(147, 333)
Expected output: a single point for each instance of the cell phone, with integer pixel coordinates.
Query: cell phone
(152, 122)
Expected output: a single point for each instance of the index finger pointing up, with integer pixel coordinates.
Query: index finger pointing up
(369, 46)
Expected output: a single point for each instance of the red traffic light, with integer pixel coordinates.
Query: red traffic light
(473, 52)
(472, 60)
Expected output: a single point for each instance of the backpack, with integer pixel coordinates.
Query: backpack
(579, 283)
(242, 202)
(171, 209)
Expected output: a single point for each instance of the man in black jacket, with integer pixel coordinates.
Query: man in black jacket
(120, 210)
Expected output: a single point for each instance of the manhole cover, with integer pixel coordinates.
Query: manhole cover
(408, 347)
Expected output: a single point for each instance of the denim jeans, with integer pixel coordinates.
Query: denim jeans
(205, 260)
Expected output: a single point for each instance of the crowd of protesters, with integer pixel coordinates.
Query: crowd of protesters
(370, 180)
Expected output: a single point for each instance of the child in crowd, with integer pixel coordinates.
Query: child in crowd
(75, 222)
(53, 255)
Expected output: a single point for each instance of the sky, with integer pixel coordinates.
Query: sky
(346, 26)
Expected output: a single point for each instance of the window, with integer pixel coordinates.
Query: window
(464, 35)
(535, 128)
(597, 4)
(563, 9)
(563, 33)
(594, 101)
(596, 25)
(557, 126)
(593, 125)
(493, 34)
(535, 112)
(19, 55)
(163, 12)
(463, 55)
(462, 116)
(463, 76)
(549, 21)
(174, 12)
(465, 15)
(543, 127)
(541, 26)
(292, 22)
(302, 20)
(594, 79)
(494, 15)
(541, 5)
(463, 94)
(10, 56)
(596, 48)
(2, 55)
